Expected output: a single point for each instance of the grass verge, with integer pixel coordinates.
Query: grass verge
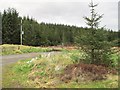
(8, 49)
(44, 71)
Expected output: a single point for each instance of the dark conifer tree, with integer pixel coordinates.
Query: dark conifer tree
(94, 42)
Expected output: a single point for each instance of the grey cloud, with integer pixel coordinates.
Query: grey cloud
(65, 12)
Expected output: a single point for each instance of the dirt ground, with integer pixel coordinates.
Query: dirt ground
(85, 72)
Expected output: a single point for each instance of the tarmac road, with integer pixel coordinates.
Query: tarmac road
(9, 59)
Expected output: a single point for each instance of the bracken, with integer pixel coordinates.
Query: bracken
(85, 72)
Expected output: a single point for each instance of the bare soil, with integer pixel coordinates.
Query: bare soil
(85, 72)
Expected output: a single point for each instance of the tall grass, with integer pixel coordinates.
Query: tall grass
(8, 49)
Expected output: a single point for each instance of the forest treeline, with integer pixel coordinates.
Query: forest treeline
(44, 34)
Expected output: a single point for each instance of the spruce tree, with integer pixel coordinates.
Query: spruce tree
(10, 27)
(94, 42)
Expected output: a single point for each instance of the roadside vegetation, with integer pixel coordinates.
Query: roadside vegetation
(60, 71)
(9, 49)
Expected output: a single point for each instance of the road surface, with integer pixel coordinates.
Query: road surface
(9, 59)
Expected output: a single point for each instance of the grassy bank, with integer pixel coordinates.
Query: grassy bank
(44, 71)
(8, 49)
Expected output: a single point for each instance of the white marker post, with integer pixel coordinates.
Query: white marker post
(21, 32)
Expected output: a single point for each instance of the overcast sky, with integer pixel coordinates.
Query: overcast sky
(70, 12)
